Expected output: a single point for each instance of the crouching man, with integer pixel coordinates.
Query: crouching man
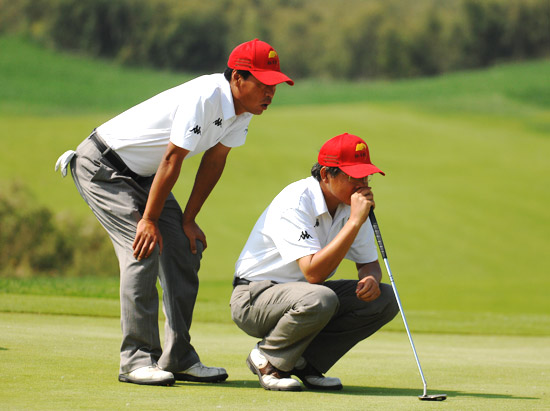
(281, 294)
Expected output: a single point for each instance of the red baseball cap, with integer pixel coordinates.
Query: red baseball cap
(261, 60)
(350, 154)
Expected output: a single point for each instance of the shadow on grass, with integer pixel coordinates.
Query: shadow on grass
(410, 392)
(371, 391)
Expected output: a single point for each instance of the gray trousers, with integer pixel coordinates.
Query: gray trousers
(118, 202)
(319, 322)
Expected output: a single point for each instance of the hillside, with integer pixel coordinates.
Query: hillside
(40, 81)
(463, 207)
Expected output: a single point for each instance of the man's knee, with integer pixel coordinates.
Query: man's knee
(391, 306)
(321, 301)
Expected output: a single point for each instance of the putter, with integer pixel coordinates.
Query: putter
(424, 396)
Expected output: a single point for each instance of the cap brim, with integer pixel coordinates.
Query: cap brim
(271, 77)
(361, 170)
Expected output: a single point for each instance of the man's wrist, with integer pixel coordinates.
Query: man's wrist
(365, 277)
(186, 219)
(149, 220)
(189, 216)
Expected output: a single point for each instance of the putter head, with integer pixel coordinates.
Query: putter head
(433, 397)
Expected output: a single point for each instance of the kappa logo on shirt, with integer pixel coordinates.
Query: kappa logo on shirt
(304, 236)
(196, 129)
(218, 122)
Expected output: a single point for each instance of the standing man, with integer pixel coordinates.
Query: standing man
(125, 171)
(282, 296)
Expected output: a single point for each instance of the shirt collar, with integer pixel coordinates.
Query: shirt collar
(228, 107)
(319, 202)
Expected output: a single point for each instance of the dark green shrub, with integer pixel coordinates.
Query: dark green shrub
(35, 242)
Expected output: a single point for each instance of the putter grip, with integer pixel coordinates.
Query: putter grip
(377, 234)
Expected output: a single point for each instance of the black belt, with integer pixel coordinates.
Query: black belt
(113, 157)
(240, 281)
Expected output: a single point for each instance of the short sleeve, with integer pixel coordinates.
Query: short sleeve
(295, 235)
(188, 123)
(236, 136)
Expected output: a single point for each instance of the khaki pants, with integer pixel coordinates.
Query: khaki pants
(319, 322)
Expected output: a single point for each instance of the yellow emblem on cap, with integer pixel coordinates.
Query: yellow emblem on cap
(272, 54)
(360, 147)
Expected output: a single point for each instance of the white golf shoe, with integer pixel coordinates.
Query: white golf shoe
(313, 379)
(151, 375)
(270, 377)
(199, 372)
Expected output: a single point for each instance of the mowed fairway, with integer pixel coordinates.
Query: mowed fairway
(463, 211)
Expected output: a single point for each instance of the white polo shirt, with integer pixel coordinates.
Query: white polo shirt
(195, 115)
(296, 224)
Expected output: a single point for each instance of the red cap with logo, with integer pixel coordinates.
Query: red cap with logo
(261, 60)
(350, 154)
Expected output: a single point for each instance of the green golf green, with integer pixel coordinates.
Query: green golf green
(50, 362)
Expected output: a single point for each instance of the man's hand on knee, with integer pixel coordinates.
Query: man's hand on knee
(368, 289)
(147, 237)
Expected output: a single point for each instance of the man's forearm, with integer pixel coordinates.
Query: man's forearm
(370, 270)
(317, 267)
(165, 179)
(208, 175)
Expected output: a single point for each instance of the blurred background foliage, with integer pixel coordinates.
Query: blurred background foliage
(34, 240)
(347, 39)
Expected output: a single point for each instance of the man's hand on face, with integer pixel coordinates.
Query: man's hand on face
(361, 202)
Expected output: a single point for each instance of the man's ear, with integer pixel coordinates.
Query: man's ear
(323, 173)
(236, 77)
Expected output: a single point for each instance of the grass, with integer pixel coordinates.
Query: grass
(463, 212)
(38, 80)
(87, 287)
(41, 81)
(462, 208)
(98, 297)
(74, 366)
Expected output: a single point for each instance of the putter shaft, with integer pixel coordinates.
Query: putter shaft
(378, 236)
(406, 326)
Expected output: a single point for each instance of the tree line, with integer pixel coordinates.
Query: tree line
(346, 39)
